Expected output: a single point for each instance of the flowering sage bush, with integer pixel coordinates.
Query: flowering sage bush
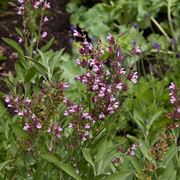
(106, 80)
(70, 129)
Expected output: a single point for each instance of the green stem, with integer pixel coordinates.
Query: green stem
(40, 27)
(169, 17)
(160, 28)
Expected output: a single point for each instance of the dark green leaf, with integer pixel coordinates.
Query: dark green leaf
(48, 45)
(30, 74)
(41, 69)
(14, 45)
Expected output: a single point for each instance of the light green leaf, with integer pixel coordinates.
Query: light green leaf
(139, 120)
(19, 132)
(173, 150)
(145, 150)
(3, 112)
(122, 175)
(88, 158)
(136, 164)
(19, 31)
(65, 167)
(54, 61)
(3, 164)
(153, 119)
(167, 172)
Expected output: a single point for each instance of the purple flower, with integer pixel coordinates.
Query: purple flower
(20, 10)
(26, 127)
(20, 40)
(172, 86)
(27, 102)
(110, 38)
(173, 99)
(137, 50)
(101, 115)
(156, 46)
(87, 126)
(21, 1)
(134, 77)
(20, 113)
(178, 109)
(76, 33)
(36, 5)
(47, 5)
(46, 19)
(44, 34)
(112, 98)
(65, 85)
(38, 125)
(119, 86)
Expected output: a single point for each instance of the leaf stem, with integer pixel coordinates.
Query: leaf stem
(160, 28)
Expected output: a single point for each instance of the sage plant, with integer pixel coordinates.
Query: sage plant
(106, 79)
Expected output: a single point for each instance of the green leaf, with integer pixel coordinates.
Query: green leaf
(136, 164)
(154, 118)
(65, 167)
(44, 60)
(100, 155)
(30, 74)
(14, 45)
(57, 57)
(88, 158)
(3, 164)
(48, 45)
(173, 150)
(139, 120)
(2, 113)
(122, 175)
(145, 150)
(19, 31)
(19, 71)
(2, 95)
(167, 172)
(20, 133)
(41, 69)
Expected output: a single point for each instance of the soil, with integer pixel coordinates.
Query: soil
(58, 27)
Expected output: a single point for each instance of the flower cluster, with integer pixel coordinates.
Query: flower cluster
(172, 93)
(162, 145)
(34, 5)
(105, 79)
(34, 112)
(23, 109)
(175, 101)
(81, 121)
(133, 148)
(55, 130)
